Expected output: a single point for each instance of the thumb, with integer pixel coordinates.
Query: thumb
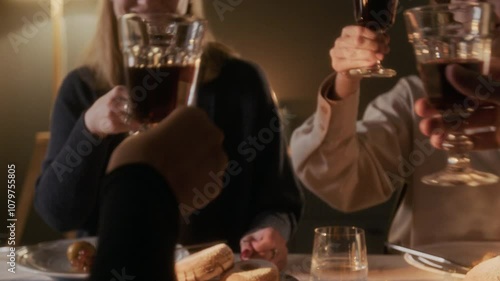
(472, 84)
(246, 248)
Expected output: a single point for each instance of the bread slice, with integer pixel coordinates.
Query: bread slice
(252, 270)
(259, 274)
(206, 264)
(488, 270)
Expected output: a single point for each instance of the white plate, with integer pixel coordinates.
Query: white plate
(49, 258)
(421, 265)
(462, 252)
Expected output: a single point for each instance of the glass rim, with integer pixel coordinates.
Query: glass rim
(441, 7)
(357, 230)
(169, 16)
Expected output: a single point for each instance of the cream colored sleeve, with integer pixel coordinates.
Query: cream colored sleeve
(354, 165)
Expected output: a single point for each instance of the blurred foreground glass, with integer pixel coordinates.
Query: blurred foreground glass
(162, 54)
(458, 33)
(379, 16)
(339, 254)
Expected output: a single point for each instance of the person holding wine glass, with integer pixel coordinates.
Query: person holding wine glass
(353, 165)
(378, 16)
(465, 81)
(260, 203)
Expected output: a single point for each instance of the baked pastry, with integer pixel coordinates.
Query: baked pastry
(486, 257)
(252, 270)
(488, 270)
(81, 255)
(206, 264)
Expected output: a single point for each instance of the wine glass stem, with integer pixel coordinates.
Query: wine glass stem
(458, 146)
(380, 33)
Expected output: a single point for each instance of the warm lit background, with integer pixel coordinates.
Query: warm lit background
(289, 39)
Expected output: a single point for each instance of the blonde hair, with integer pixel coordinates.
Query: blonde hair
(103, 56)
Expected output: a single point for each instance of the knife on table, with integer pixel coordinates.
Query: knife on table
(432, 260)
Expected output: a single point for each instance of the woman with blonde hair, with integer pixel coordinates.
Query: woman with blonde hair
(256, 212)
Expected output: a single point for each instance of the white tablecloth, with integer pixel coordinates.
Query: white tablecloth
(382, 268)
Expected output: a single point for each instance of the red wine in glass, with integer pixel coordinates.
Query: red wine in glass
(156, 92)
(379, 16)
(453, 34)
(440, 93)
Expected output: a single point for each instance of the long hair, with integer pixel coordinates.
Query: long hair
(103, 56)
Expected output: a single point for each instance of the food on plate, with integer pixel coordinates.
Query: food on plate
(258, 274)
(81, 255)
(252, 270)
(488, 270)
(216, 260)
(486, 257)
(205, 264)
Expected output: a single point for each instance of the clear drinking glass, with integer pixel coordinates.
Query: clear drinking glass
(162, 54)
(339, 254)
(379, 16)
(458, 33)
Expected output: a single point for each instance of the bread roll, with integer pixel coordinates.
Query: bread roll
(486, 271)
(252, 270)
(206, 264)
(486, 257)
(81, 255)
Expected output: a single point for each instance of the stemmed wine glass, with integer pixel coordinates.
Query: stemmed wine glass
(377, 15)
(458, 33)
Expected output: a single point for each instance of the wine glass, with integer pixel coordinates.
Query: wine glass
(441, 35)
(162, 54)
(377, 15)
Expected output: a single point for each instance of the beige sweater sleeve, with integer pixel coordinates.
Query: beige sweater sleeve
(354, 165)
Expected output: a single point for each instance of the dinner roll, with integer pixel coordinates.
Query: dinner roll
(206, 264)
(81, 255)
(488, 270)
(252, 270)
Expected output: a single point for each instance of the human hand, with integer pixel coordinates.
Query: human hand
(185, 147)
(480, 90)
(267, 244)
(108, 115)
(357, 47)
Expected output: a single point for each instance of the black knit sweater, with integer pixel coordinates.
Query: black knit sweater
(260, 191)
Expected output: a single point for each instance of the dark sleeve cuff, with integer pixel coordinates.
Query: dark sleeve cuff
(81, 123)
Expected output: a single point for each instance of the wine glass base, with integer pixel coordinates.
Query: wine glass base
(467, 177)
(373, 72)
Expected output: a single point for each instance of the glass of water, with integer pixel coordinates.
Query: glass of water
(339, 254)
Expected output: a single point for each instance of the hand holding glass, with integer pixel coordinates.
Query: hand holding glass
(162, 54)
(379, 16)
(458, 33)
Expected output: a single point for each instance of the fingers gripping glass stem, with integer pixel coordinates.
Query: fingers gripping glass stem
(377, 71)
(377, 15)
(441, 40)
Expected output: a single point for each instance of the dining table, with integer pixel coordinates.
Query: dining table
(381, 268)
